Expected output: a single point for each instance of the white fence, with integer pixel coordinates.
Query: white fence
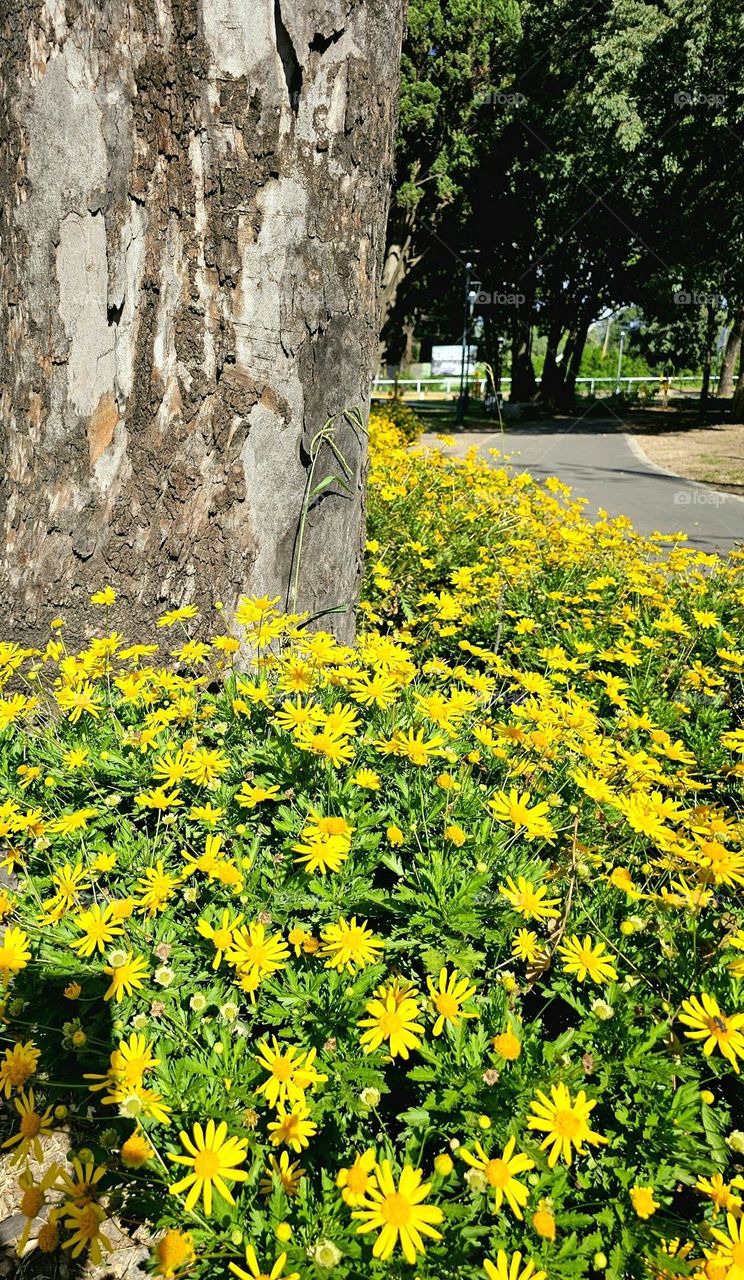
(424, 387)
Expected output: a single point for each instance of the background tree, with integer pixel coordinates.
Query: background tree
(731, 355)
(609, 181)
(455, 56)
(193, 200)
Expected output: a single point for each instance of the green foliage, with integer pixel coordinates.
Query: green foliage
(612, 180)
(508, 819)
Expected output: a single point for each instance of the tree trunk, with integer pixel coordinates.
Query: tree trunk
(193, 198)
(707, 361)
(523, 382)
(400, 260)
(574, 352)
(731, 355)
(737, 403)
(551, 382)
(492, 346)
(394, 270)
(577, 354)
(606, 343)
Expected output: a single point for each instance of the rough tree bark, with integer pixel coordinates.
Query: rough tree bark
(523, 382)
(574, 357)
(710, 329)
(551, 382)
(193, 198)
(400, 260)
(737, 401)
(727, 376)
(397, 263)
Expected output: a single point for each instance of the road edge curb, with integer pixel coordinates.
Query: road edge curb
(640, 453)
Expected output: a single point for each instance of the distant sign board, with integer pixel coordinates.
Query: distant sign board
(446, 362)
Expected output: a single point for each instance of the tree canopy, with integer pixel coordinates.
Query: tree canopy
(600, 170)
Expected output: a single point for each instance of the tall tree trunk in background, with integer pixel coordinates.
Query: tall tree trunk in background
(492, 347)
(403, 355)
(401, 257)
(606, 342)
(523, 382)
(395, 268)
(577, 354)
(710, 328)
(731, 355)
(551, 381)
(737, 403)
(574, 352)
(193, 198)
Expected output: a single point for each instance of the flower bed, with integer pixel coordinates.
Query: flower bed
(421, 958)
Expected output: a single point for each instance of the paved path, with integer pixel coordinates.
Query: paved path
(609, 468)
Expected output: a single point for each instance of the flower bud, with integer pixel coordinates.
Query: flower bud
(326, 1254)
(476, 1180)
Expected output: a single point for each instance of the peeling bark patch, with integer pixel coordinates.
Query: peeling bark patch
(187, 296)
(101, 427)
(114, 312)
(321, 44)
(82, 273)
(289, 60)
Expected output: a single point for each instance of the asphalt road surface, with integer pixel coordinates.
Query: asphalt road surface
(609, 468)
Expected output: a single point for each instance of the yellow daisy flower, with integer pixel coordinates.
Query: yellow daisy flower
(221, 936)
(719, 1030)
(214, 1160)
(14, 953)
(126, 973)
(85, 1222)
(292, 1128)
(501, 1173)
(355, 1181)
(99, 927)
(349, 946)
(565, 1122)
(642, 1200)
(730, 1247)
(506, 1268)
(393, 1021)
(173, 1250)
(252, 952)
(18, 1065)
(587, 959)
(448, 997)
(254, 1271)
(286, 1170)
(398, 1212)
(530, 902)
(291, 1072)
(33, 1125)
